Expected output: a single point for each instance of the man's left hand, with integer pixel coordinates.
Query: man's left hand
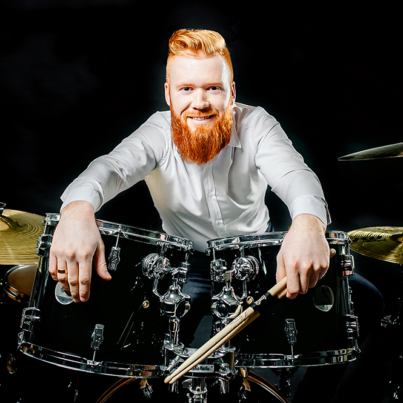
(304, 255)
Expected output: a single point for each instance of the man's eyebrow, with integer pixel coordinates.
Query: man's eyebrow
(217, 83)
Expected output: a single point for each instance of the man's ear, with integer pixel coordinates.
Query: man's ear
(167, 97)
(233, 91)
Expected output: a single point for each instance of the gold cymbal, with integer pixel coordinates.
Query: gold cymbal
(383, 243)
(390, 151)
(19, 233)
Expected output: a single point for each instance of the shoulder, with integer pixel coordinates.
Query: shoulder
(252, 116)
(158, 121)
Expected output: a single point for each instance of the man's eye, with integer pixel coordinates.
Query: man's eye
(186, 89)
(215, 89)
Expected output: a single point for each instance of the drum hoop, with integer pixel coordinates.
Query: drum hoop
(132, 233)
(267, 239)
(311, 359)
(78, 363)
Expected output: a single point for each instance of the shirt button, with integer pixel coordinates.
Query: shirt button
(211, 195)
(219, 221)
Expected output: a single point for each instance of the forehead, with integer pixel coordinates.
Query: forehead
(189, 69)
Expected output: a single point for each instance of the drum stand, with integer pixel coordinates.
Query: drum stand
(395, 391)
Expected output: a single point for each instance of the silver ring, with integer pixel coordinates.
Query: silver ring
(62, 271)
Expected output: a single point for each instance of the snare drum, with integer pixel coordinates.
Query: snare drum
(119, 331)
(316, 328)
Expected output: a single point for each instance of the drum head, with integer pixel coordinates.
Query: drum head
(19, 281)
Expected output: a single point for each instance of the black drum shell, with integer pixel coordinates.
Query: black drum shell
(317, 330)
(132, 334)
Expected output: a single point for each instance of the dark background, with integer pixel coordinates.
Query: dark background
(78, 76)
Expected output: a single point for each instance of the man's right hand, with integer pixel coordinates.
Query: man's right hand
(76, 242)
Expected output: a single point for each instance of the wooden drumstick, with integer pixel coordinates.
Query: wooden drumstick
(244, 319)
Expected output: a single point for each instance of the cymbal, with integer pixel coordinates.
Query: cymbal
(383, 243)
(19, 233)
(390, 151)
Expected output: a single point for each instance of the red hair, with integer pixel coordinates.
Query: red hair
(197, 43)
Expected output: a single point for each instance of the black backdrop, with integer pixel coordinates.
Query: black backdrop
(77, 76)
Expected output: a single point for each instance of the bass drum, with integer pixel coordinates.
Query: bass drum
(253, 388)
(119, 331)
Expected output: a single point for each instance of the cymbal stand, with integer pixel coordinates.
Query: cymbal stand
(394, 322)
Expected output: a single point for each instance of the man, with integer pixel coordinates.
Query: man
(207, 164)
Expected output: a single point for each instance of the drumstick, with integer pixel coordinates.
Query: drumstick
(237, 325)
(221, 337)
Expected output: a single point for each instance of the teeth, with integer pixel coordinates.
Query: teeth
(206, 117)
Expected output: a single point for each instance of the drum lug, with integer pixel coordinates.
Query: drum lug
(114, 258)
(347, 265)
(114, 255)
(291, 333)
(29, 316)
(43, 245)
(353, 329)
(97, 338)
(146, 388)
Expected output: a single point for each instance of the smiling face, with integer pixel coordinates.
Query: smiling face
(200, 96)
(199, 87)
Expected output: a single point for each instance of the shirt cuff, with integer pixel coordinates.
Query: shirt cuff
(81, 193)
(311, 205)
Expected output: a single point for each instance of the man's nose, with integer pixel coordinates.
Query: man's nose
(200, 100)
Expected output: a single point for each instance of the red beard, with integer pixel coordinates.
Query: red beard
(203, 144)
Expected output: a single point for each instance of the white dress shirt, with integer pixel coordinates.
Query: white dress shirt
(222, 198)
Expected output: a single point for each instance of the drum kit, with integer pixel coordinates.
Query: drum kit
(130, 327)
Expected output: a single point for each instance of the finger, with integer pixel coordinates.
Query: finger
(305, 277)
(85, 269)
(314, 279)
(62, 274)
(53, 266)
(100, 263)
(73, 280)
(280, 272)
(293, 284)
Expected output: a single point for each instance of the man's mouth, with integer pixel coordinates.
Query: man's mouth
(201, 118)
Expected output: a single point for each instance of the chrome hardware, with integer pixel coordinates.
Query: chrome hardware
(291, 333)
(174, 303)
(114, 256)
(219, 272)
(28, 317)
(353, 327)
(2, 207)
(146, 388)
(43, 245)
(347, 264)
(223, 386)
(198, 389)
(182, 273)
(246, 268)
(97, 337)
(225, 303)
(155, 266)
